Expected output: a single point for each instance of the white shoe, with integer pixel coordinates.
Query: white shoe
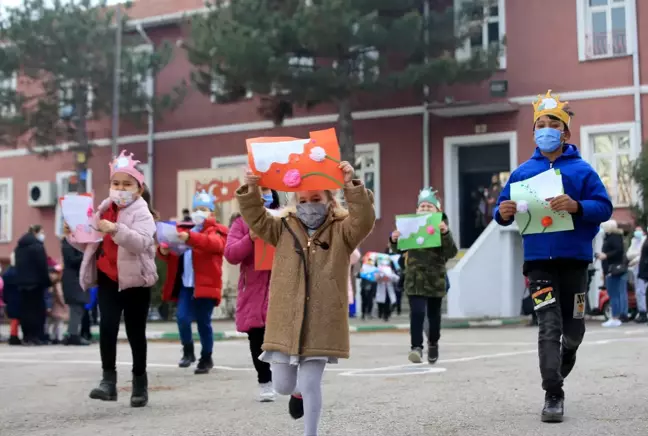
(267, 394)
(612, 323)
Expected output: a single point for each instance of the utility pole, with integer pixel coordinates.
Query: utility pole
(117, 82)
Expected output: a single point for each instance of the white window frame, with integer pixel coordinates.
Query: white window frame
(10, 83)
(9, 204)
(239, 160)
(465, 53)
(216, 89)
(587, 134)
(65, 91)
(58, 216)
(146, 83)
(373, 148)
(584, 26)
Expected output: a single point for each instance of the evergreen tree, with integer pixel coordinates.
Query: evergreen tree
(61, 56)
(307, 52)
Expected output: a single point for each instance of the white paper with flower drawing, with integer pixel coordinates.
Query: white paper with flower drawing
(291, 164)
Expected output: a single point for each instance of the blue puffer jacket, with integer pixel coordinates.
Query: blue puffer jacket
(582, 184)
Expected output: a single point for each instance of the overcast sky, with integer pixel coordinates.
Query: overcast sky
(4, 3)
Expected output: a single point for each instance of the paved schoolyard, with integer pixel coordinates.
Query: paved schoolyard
(485, 384)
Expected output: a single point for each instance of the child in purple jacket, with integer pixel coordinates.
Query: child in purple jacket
(252, 297)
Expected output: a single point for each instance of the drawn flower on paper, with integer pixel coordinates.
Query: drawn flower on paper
(431, 230)
(546, 222)
(292, 178)
(522, 206)
(420, 240)
(89, 212)
(318, 154)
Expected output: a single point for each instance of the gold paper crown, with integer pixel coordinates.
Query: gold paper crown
(550, 105)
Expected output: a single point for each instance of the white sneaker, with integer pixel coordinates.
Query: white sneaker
(267, 394)
(612, 323)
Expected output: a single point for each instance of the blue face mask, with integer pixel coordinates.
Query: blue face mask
(547, 139)
(267, 200)
(638, 234)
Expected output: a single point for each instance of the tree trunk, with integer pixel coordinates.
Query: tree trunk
(345, 130)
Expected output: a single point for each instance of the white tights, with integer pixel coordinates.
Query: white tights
(287, 379)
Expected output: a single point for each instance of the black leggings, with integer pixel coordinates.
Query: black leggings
(33, 312)
(255, 336)
(134, 302)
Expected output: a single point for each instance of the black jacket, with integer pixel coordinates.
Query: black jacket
(643, 262)
(614, 249)
(32, 270)
(72, 291)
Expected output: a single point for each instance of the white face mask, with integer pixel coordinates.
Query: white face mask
(122, 198)
(41, 237)
(199, 216)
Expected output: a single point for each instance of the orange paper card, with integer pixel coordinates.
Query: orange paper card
(291, 164)
(263, 255)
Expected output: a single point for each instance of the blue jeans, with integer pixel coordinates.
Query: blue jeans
(200, 310)
(617, 289)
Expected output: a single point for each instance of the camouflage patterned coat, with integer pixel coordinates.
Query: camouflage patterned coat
(425, 269)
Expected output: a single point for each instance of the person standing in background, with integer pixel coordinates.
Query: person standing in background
(634, 258)
(75, 297)
(11, 297)
(33, 280)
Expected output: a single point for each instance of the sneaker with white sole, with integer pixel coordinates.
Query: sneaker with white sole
(415, 355)
(612, 323)
(267, 393)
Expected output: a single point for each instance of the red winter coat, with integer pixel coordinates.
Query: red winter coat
(207, 247)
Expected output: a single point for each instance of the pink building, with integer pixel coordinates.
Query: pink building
(589, 53)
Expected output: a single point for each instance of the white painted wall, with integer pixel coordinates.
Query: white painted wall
(488, 280)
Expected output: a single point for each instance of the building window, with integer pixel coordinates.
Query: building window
(604, 28)
(62, 188)
(218, 89)
(6, 211)
(67, 102)
(367, 169)
(8, 85)
(487, 29)
(611, 157)
(144, 82)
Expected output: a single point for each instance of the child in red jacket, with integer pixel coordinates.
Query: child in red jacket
(194, 280)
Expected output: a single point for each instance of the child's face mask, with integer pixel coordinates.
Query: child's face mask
(199, 216)
(122, 198)
(267, 199)
(312, 215)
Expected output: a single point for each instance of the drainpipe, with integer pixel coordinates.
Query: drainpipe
(426, 97)
(150, 154)
(636, 76)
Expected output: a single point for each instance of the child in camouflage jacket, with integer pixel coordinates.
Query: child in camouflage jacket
(425, 281)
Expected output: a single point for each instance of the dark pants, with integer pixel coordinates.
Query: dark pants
(199, 309)
(33, 314)
(419, 306)
(85, 326)
(558, 319)
(399, 300)
(255, 336)
(368, 294)
(134, 302)
(77, 311)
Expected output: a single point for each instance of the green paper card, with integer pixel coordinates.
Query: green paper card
(532, 196)
(419, 231)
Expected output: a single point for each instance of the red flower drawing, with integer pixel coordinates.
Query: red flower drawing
(546, 222)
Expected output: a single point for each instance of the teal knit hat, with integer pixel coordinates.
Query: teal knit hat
(428, 195)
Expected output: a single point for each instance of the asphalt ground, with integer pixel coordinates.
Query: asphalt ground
(486, 383)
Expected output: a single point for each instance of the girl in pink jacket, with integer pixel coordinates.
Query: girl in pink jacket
(252, 297)
(122, 265)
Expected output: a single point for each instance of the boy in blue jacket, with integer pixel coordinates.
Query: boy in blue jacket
(556, 263)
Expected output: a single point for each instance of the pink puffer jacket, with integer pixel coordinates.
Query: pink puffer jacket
(253, 285)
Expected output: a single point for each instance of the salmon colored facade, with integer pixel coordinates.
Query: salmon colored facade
(609, 95)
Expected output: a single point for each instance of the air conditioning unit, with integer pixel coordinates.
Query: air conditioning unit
(41, 194)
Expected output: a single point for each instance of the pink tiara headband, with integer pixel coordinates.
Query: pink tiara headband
(126, 164)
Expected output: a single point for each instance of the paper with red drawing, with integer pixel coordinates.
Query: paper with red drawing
(79, 214)
(292, 164)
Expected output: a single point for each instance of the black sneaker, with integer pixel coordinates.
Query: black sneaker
(624, 319)
(205, 364)
(15, 340)
(416, 355)
(296, 406)
(188, 356)
(554, 408)
(433, 353)
(642, 318)
(568, 361)
(76, 340)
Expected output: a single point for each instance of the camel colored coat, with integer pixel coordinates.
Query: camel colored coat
(308, 305)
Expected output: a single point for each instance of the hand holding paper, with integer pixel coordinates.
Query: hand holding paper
(419, 231)
(78, 215)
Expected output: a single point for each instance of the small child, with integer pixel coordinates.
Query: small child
(122, 265)
(425, 281)
(385, 292)
(58, 312)
(194, 280)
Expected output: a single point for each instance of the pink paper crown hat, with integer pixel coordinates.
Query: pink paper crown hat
(126, 164)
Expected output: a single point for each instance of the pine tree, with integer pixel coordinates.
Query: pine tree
(62, 56)
(307, 52)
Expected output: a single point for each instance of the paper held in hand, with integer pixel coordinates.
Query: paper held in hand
(534, 215)
(78, 213)
(419, 231)
(167, 233)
